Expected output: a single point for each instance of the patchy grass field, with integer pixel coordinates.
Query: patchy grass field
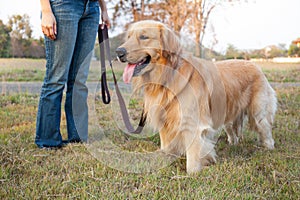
(281, 72)
(245, 171)
(34, 70)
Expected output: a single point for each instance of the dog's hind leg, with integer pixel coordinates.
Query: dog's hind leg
(231, 135)
(234, 130)
(238, 125)
(261, 118)
(264, 129)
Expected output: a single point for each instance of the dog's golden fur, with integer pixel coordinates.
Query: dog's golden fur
(189, 99)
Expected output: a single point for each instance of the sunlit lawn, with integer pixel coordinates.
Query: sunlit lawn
(34, 70)
(245, 171)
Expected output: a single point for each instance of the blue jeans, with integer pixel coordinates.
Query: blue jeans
(68, 60)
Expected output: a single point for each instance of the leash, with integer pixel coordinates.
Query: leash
(105, 48)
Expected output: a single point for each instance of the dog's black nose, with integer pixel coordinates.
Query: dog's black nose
(121, 53)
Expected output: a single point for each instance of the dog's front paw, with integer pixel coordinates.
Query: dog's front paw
(196, 165)
(208, 160)
(193, 168)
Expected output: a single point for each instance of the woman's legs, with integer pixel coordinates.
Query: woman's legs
(62, 56)
(76, 99)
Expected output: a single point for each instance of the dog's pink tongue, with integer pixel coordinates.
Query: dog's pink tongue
(128, 72)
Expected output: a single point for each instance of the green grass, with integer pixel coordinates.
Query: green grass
(283, 76)
(22, 75)
(245, 171)
(34, 70)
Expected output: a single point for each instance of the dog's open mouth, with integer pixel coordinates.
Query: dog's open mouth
(133, 69)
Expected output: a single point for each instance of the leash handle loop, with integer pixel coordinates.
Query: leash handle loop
(102, 37)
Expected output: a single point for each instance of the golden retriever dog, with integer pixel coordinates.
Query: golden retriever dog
(188, 100)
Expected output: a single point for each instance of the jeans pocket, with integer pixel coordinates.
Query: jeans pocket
(55, 1)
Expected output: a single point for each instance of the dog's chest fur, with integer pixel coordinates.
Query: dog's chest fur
(173, 116)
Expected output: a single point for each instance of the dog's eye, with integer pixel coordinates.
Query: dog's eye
(144, 37)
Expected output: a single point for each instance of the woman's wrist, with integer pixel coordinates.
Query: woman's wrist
(45, 6)
(102, 6)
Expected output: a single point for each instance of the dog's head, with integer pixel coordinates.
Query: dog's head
(148, 44)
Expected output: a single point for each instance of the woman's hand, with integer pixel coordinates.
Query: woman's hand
(105, 18)
(49, 27)
(104, 15)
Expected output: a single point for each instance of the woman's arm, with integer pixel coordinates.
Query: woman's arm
(48, 20)
(104, 15)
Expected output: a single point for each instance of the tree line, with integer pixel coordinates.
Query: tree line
(190, 16)
(16, 39)
(184, 16)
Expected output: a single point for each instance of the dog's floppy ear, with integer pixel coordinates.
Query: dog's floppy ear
(170, 44)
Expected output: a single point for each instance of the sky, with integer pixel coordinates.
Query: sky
(252, 25)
